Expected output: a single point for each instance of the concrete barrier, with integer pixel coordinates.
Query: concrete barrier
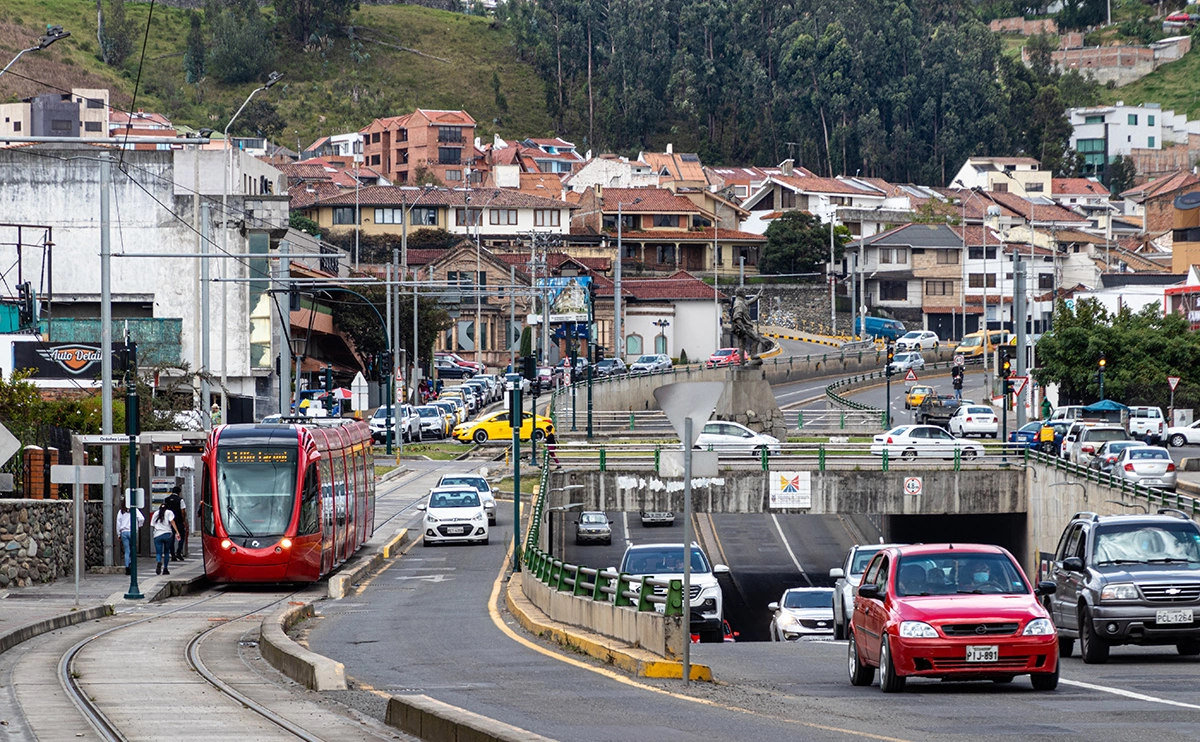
(393, 545)
(13, 637)
(354, 571)
(433, 721)
(309, 669)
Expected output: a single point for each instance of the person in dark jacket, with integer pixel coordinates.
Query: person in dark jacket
(174, 503)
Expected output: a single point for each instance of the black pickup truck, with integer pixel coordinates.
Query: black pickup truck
(935, 410)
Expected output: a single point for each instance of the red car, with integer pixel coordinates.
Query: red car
(727, 357)
(950, 611)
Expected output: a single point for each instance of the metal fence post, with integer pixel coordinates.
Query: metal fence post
(800, 420)
(603, 459)
(821, 457)
(764, 455)
(657, 454)
(885, 459)
(957, 459)
(842, 425)
(631, 420)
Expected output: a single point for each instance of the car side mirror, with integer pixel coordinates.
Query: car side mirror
(720, 569)
(610, 522)
(836, 574)
(1045, 587)
(576, 522)
(870, 591)
(772, 606)
(1073, 564)
(421, 506)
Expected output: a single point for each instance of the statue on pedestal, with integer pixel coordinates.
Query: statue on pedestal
(742, 327)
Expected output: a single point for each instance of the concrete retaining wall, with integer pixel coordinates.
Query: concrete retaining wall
(649, 630)
(309, 669)
(943, 490)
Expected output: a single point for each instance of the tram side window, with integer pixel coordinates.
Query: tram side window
(310, 503)
(206, 504)
(327, 493)
(339, 487)
(352, 487)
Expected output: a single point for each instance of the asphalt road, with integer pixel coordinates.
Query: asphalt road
(424, 625)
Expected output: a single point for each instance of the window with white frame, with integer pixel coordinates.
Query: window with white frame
(468, 217)
(546, 217)
(502, 217)
(389, 216)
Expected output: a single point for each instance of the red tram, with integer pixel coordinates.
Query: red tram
(285, 503)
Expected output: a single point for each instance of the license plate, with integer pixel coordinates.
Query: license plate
(983, 653)
(1180, 615)
(454, 530)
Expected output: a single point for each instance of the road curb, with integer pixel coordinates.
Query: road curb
(434, 721)
(312, 670)
(639, 662)
(398, 471)
(392, 547)
(804, 339)
(340, 583)
(13, 637)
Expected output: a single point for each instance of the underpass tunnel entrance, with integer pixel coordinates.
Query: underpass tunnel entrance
(1002, 529)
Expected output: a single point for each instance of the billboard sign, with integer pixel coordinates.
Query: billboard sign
(568, 297)
(62, 360)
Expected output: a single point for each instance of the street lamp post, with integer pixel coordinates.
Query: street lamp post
(618, 339)
(560, 509)
(273, 78)
(53, 34)
(404, 265)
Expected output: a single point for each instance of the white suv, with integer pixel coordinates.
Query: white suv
(408, 422)
(454, 514)
(479, 484)
(665, 562)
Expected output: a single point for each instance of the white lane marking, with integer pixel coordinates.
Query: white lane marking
(625, 525)
(1128, 694)
(788, 546)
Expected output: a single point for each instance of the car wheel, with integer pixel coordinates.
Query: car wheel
(486, 540)
(539, 435)
(1045, 680)
(910, 454)
(426, 542)
(480, 436)
(608, 541)
(839, 629)
(1190, 648)
(969, 453)
(774, 635)
(860, 674)
(1066, 646)
(492, 521)
(1178, 440)
(935, 346)
(889, 681)
(1092, 649)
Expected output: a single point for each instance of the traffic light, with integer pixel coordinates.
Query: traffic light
(1102, 362)
(26, 306)
(293, 301)
(891, 355)
(1005, 364)
(329, 379)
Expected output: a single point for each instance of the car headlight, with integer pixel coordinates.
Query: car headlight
(917, 630)
(788, 621)
(478, 516)
(430, 519)
(1038, 627)
(1119, 591)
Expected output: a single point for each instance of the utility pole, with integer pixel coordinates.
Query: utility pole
(1019, 268)
(285, 330)
(106, 370)
(832, 281)
(132, 429)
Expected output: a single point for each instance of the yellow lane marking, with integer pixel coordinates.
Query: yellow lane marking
(494, 612)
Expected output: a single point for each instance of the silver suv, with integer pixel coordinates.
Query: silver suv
(1127, 579)
(846, 579)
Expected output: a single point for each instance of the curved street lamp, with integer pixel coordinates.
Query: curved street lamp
(53, 34)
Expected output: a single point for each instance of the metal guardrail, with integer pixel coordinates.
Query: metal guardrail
(813, 456)
(833, 395)
(1152, 496)
(603, 585)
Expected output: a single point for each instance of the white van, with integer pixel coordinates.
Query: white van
(1147, 420)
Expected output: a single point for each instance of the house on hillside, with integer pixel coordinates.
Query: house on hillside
(434, 142)
(1022, 176)
(1154, 200)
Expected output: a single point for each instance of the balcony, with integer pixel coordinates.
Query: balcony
(450, 136)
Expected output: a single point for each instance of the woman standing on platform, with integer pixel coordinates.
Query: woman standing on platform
(165, 533)
(124, 520)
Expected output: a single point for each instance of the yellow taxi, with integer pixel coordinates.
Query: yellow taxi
(917, 394)
(497, 426)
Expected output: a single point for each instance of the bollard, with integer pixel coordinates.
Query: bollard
(603, 459)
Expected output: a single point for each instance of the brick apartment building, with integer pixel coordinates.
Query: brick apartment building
(440, 142)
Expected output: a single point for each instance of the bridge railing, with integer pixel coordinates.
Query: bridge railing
(816, 456)
(1151, 495)
(604, 585)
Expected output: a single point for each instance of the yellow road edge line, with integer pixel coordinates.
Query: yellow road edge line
(494, 612)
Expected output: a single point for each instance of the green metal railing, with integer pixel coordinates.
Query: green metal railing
(1152, 496)
(601, 585)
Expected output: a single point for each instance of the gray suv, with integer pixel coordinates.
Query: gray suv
(1127, 579)
(846, 580)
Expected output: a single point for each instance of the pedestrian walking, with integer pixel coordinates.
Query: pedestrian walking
(165, 534)
(124, 522)
(174, 503)
(552, 443)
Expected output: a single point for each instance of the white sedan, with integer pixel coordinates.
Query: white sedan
(727, 437)
(974, 420)
(918, 340)
(1185, 436)
(928, 441)
(902, 362)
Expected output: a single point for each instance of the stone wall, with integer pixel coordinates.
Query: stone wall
(37, 540)
(796, 306)
(1024, 26)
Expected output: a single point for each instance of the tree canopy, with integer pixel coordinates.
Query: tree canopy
(798, 242)
(1141, 350)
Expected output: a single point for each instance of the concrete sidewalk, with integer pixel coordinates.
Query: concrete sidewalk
(26, 612)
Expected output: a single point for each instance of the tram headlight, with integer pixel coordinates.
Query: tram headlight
(226, 543)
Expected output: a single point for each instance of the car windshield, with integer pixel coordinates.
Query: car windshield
(1119, 446)
(1032, 427)
(1134, 543)
(808, 599)
(591, 518)
(605, 363)
(478, 483)
(428, 411)
(724, 352)
(1107, 434)
(661, 560)
(256, 487)
(456, 499)
(971, 342)
(1148, 454)
(647, 359)
(861, 558)
(958, 573)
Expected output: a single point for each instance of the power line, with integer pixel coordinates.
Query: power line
(138, 82)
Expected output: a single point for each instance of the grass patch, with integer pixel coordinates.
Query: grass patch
(323, 92)
(435, 451)
(1172, 85)
(527, 484)
(381, 469)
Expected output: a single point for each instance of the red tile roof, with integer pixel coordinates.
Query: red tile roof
(975, 235)
(480, 198)
(305, 195)
(680, 285)
(1077, 187)
(815, 184)
(1160, 186)
(650, 200)
(692, 235)
(1041, 212)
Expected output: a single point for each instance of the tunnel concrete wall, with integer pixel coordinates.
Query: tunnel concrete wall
(970, 491)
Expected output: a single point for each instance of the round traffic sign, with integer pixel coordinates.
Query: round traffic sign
(912, 485)
(959, 360)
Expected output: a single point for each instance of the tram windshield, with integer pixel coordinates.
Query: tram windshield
(256, 487)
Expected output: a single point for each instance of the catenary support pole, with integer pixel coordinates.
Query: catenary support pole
(687, 550)
(106, 370)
